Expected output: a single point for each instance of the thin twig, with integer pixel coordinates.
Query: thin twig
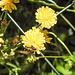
(54, 5)
(68, 22)
(50, 57)
(65, 8)
(61, 43)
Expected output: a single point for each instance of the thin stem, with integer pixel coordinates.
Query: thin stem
(15, 48)
(5, 16)
(68, 22)
(53, 5)
(2, 14)
(51, 57)
(65, 8)
(50, 64)
(61, 43)
(15, 23)
(51, 52)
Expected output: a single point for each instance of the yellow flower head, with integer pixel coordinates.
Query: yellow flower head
(1, 34)
(46, 17)
(32, 58)
(1, 40)
(34, 38)
(47, 38)
(8, 5)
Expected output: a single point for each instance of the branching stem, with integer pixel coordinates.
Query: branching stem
(61, 43)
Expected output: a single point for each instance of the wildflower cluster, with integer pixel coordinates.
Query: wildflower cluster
(29, 45)
(34, 39)
(37, 37)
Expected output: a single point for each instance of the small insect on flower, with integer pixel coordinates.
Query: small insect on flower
(15, 40)
(4, 21)
(28, 50)
(23, 52)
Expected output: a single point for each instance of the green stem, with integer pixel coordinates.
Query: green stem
(68, 22)
(54, 5)
(5, 16)
(18, 45)
(61, 43)
(51, 57)
(65, 8)
(10, 64)
(51, 51)
(2, 14)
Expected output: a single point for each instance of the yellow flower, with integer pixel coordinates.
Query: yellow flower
(46, 17)
(1, 40)
(34, 38)
(32, 58)
(1, 34)
(47, 38)
(8, 5)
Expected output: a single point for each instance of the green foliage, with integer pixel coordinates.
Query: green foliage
(14, 70)
(51, 73)
(64, 71)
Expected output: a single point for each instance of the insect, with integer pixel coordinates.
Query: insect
(15, 40)
(4, 21)
(28, 50)
(24, 52)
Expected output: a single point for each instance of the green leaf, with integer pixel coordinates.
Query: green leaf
(52, 74)
(10, 64)
(43, 73)
(64, 71)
